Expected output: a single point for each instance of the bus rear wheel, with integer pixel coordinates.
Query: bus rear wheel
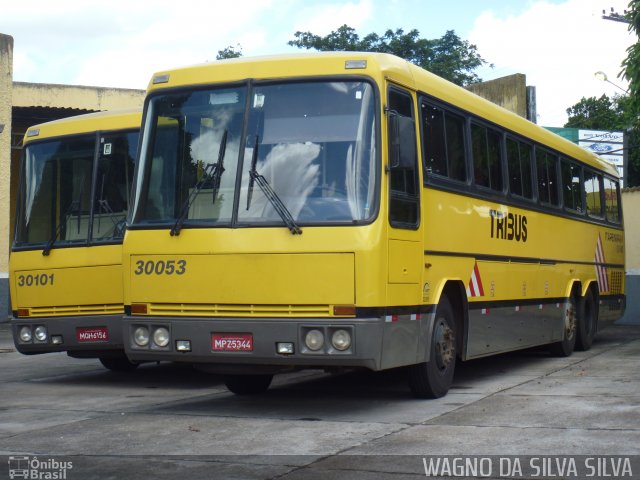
(565, 347)
(434, 378)
(247, 384)
(587, 322)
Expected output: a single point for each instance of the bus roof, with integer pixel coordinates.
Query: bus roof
(90, 122)
(379, 66)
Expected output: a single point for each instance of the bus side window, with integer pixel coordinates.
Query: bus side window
(547, 177)
(611, 194)
(592, 190)
(571, 181)
(487, 157)
(519, 167)
(404, 209)
(443, 141)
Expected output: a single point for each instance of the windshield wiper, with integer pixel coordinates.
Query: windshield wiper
(272, 196)
(49, 245)
(212, 171)
(75, 204)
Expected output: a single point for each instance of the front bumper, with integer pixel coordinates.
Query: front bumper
(81, 336)
(365, 350)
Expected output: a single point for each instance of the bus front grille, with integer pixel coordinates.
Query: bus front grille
(76, 310)
(221, 310)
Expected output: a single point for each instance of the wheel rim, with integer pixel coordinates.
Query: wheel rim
(444, 345)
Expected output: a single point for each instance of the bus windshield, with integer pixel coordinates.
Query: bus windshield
(61, 203)
(313, 144)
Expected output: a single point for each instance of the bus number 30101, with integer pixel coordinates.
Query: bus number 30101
(170, 267)
(37, 280)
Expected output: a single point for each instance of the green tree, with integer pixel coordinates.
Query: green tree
(631, 64)
(618, 114)
(593, 113)
(449, 56)
(229, 52)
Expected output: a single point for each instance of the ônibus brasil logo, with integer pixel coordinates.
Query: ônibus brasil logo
(40, 469)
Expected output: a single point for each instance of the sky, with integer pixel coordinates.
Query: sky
(557, 44)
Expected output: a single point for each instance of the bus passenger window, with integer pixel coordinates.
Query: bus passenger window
(571, 194)
(592, 183)
(434, 141)
(547, 177)
(487, 157)
(519, 165)
(443, 141)
(611, 194)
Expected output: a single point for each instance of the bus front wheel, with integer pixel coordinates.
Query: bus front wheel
(248, 384)
(118, 364)
(434, 378)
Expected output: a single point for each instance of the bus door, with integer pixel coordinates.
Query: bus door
(405, 248)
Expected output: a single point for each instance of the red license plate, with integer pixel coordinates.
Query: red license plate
(92, 334)
(231, 342)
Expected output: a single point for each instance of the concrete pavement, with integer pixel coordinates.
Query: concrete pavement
(165, 421)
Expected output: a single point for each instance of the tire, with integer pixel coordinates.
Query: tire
(587, 322)
(248, 384)
(434, 378)
(118, 364)
(565, 347)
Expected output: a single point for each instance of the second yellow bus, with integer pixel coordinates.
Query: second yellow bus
(65, 264)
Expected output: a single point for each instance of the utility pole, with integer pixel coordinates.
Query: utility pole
(615, 16)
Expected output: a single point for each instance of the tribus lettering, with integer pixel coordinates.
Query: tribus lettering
(510, 226)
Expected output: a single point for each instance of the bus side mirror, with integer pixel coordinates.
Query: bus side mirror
(402, 141)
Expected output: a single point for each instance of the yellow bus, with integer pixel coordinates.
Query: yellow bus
(65, 264)
(353, 210)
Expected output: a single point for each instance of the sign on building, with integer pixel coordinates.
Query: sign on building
(609, 145)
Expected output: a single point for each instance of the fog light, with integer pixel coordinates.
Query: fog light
(314, 340)
(141, 336)
(161, 337)
(40, 333)
(284, 348)
(56, 339)
(183, 345)
(25, 334)
(341, 340)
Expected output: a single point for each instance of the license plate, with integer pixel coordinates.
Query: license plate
(92, 334)
(231, 342)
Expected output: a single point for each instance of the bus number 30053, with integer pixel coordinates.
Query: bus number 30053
(161, 267)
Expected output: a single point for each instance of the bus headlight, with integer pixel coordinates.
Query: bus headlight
(25, 334)
(141, 336)
(341, 340)
(161, 337)
(40, 333)
(314, 340)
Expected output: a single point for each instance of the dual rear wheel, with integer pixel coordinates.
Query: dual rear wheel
(587, 321)
(580, 325)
